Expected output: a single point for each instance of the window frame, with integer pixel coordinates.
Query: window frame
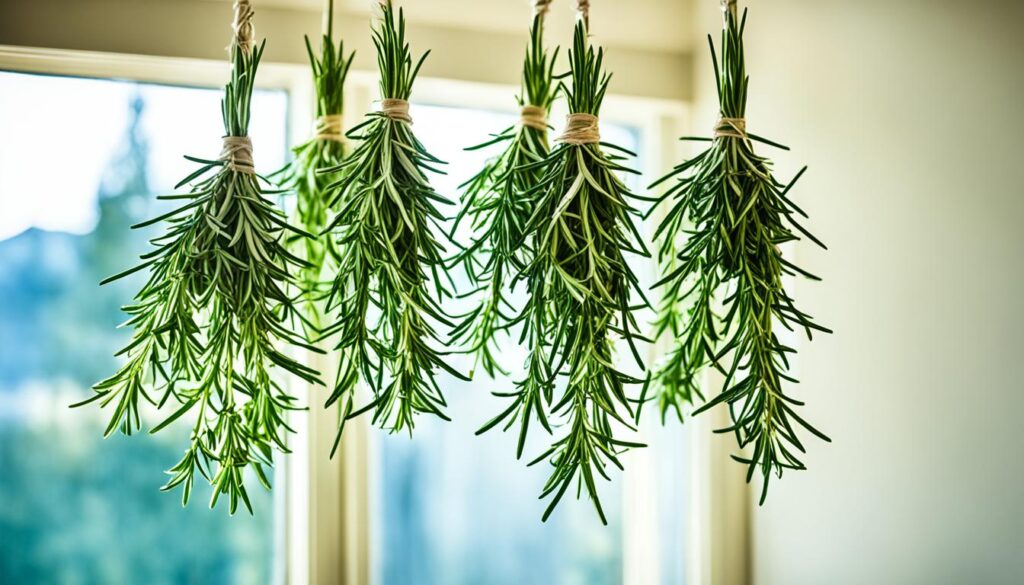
(324, 508)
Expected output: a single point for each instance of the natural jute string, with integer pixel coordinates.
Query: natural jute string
(534, 117)
(245, 33)
(541, 7)
(328, 128)
(237, 154)
(583, 7)
(397, 110)
(731, 128)
(580, 129)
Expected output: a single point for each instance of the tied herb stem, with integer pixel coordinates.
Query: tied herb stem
(303, 176)
(580, 286)
(498, 202)
(728, 217)
(388, 256)
(209, 318)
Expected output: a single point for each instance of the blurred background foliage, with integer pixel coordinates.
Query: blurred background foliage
(67, 514)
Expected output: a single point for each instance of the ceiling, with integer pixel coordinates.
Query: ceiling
(661, 25)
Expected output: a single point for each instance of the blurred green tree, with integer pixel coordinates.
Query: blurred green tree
(68, 515)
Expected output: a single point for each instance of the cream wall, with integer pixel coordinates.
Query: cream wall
(909, 115)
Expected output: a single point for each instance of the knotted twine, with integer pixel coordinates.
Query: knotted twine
(534, 117)
(328, 128)
(237, 150)
(245, 33)
(583, 8)
(237, 154)
(731, 128)
(580, 129)
(395, 109)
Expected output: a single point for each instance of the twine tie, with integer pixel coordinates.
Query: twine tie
(328, 128)
(580, 129)
(534, 117)
(583, 8)
(395, 109)
(731, 128)
(245, 33)
(237, 154)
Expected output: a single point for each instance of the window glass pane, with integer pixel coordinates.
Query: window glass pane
(80, 161)
(454, 508)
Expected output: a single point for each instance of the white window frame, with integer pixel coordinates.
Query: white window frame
(324, 504)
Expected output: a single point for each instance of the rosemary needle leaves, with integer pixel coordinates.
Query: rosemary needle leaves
(723, 231)
(207, 320)
(580, 285)
(325, 149)
(388, 253)
(497, 203)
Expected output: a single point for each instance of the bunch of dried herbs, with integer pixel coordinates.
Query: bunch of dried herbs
(583, 295)
(303, 176)
(391, 276)
(498, 201)
(720, 246)
(208, 321)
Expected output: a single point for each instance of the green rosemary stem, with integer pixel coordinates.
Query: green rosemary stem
(721, 235)
(208, 321)
(497, 203)
(326, 149)
(581, 286)
(388, 255)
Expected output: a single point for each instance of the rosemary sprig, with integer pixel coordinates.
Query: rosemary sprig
(740, 216)
(497, 203)
(207, 321)
(325, 150)
(580, 286)
(387, 254)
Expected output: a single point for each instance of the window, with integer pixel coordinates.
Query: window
(80, 161)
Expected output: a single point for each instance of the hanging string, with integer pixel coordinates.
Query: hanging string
(541, 7)
(533, 116)
(730, 127)
(583, 9)
(245, 33)
(581, 128)
(236, 151)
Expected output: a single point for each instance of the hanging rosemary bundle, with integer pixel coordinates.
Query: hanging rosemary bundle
(324, 150)
(735, 216)
(498, 204)
(580, 287)
(388, 252)
(207, 320)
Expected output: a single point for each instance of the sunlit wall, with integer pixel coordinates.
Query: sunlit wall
(909, 115)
